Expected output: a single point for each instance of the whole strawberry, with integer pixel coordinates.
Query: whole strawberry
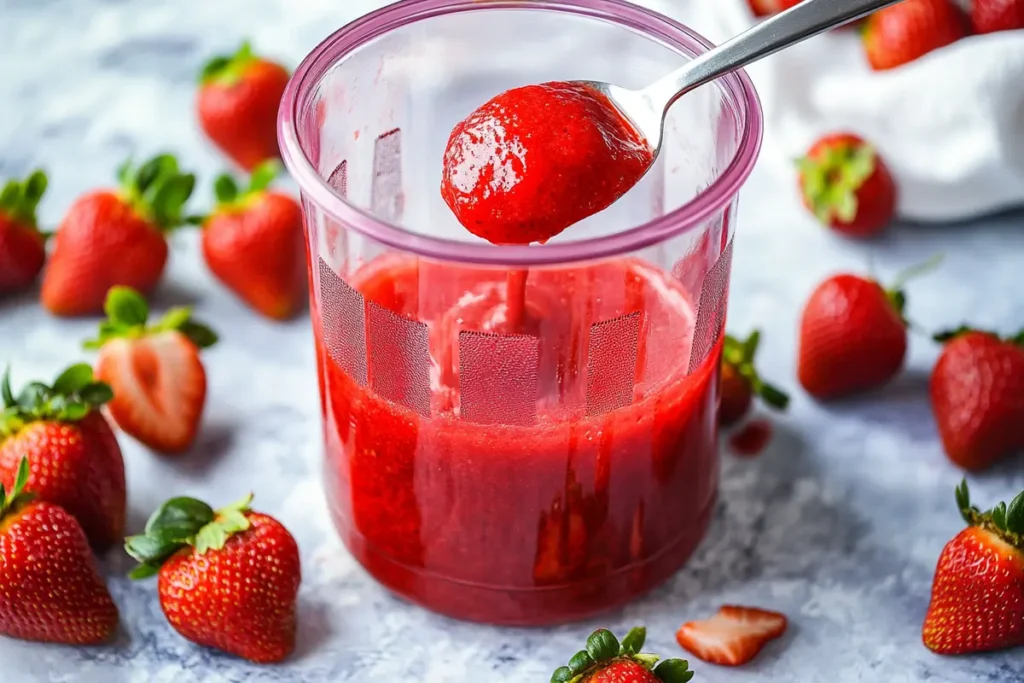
(607, 661)
(989, 16)
(227, 578)
(977, 600)
(116, 237)
(977, 390)
(22, 246)
(853, 336)
(847, 186)
(75, 460)
(158, 379)
(253, 242)
(238, 101)
(740, 381)
(50, 589)
(909, 30)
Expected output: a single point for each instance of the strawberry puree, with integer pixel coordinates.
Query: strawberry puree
(534, 160)
(485, 505)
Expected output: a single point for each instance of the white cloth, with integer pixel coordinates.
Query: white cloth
(949, 125)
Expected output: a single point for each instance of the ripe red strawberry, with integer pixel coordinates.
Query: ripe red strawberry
(989, 16)
(763, 8)
(732, 637)
(740, 381)
(977, 390)
(75, 460)
(50, 589)
(22, 246)
(911, 29)
(853, 335)
(227, 578)
(116, 237)
(253, 242)
(847, 186)
(977, 600)
(607, 661)
(238, 101)
(158, 379)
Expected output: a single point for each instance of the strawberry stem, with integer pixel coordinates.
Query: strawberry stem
(19, 198)
(895, 294)
(740, 355)
(1006, 521)
(128, 318)
(831, 180)
(72, 396)
(157, 190)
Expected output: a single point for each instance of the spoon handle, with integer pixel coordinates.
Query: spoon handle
(798, 23)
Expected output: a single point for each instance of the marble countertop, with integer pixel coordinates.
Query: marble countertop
(838, 524)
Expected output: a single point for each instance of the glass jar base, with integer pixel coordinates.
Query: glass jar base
(517, 606)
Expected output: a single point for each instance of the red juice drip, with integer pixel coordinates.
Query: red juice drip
(515, 299)
(752, 439)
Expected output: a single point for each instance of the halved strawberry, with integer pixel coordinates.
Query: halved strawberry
(155, 371)
(733, 636)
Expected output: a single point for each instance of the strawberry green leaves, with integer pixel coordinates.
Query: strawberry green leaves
(830, 182)
(227, 70)
(1006, 520)
(158, 190)
(19, 198)
(604, 649)
(11, 501)
(740, 355)
(73, 394)
(128, 318)
(230, 196)
(182, 522)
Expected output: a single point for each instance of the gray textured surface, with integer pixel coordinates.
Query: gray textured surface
(838, 525)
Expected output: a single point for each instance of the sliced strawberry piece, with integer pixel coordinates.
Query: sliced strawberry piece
(733, 636)
(156, 374)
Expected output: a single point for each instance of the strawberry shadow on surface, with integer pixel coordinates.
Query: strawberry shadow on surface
(213, 443)
(903, 404)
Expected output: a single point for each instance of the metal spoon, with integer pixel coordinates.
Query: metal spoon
(646, 108)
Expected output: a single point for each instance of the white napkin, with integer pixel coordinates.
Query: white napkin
(949, 125)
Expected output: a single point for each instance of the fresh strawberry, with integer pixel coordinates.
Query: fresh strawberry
(740, 381)
(158, 379)
(899, 34)
(989, 16)
(22, 246)
(253, 242)
(117, 237)
(50, 588)
(977, 390)
(227, 578)
(763, 8)
(607, 661)
(853, 336)
(977, 600)
(732, 637)
(75, 460)
(847, 186)
(238, 101)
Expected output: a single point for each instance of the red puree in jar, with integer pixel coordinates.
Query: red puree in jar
(534, 160)
(485, 506)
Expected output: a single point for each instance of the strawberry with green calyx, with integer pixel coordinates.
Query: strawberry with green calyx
(607, 661)
(22, 245)
(155, 370)
(847, 186)
(76, 462)
(740, 381)
(50, 588)
(853, 333)
(238, 99)
(977, 602)
(977, 393)
(253, 242)
(227, 578)
(116, 237)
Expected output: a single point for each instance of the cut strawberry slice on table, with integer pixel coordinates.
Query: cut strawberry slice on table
(734, 636)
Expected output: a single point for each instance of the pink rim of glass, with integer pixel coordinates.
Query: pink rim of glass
(737, 87)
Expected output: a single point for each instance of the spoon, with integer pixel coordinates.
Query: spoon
(646, 108)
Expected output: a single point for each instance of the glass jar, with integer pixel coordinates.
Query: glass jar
(517, 434)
